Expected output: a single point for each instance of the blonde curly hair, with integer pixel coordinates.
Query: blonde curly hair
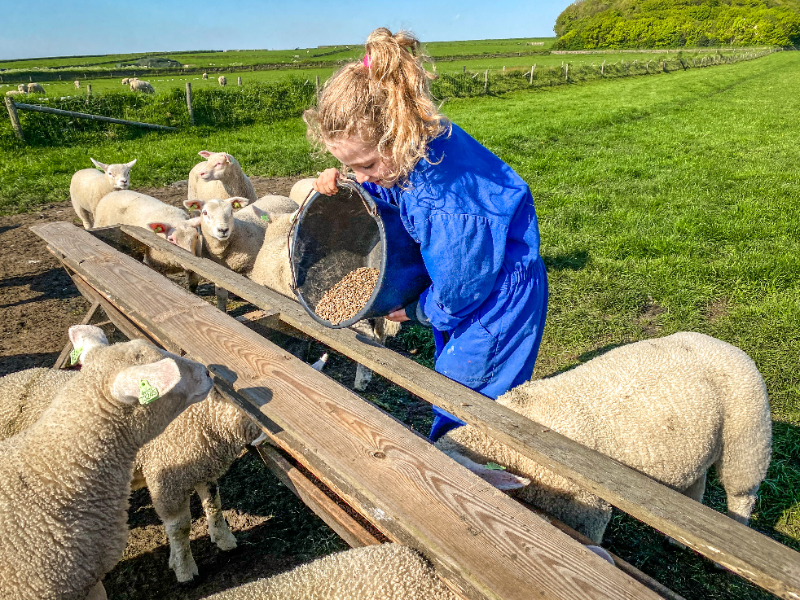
(385, 100)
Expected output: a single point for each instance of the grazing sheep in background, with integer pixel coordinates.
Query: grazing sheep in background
(219, 177)
(222, 81)
(65, 481)
(669, 407)
(227, 240)
(88, 186)
(77, 84)
(35, 88)
(22, 88)
(170, 222)
(382, 572)
(137, 85)
(205, 75)
(126, 81)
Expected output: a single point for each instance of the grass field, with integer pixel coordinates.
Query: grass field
(665, 203)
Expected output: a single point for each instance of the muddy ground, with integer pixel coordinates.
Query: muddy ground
(275, 531)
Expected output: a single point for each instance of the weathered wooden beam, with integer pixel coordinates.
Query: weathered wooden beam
(78, 115)
(483, 542)
(748, 553)
(12, 114)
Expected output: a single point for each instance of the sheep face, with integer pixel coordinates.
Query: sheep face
(85, 338)
(118, 174)
(183, 235)
(217, 164)
(216, 216)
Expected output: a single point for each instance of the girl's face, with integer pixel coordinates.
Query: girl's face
(365, 161)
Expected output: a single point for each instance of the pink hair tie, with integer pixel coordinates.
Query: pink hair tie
(367, 61)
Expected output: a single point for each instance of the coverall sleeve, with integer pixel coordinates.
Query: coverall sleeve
(463, 255)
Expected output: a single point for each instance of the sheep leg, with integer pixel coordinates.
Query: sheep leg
(84, 215)
(740, 505)
(180, 552)
(193, 279)
(217, 525)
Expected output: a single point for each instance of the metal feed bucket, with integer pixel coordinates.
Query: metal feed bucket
(334, 235)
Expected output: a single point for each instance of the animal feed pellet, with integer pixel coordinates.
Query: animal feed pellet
(349, 296)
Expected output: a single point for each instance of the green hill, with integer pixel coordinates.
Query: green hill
(676, 23)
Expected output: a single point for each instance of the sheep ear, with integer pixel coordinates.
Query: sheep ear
(193, 222)
(238, 202)
(497, 476)
(228, 158)
(194, 204)
(83, 339)
(130, 164)
(261, 214)
(164, 228)
(205, 153)
(144, 384)
(98, 164)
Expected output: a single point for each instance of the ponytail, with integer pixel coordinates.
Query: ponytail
(384, 99)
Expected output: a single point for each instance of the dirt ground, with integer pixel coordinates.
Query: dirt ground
(275, 531)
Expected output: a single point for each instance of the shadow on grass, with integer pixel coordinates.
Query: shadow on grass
(18, 362)
(54, 284)
(573, 261)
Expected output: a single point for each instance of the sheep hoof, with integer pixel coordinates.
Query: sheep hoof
(225, 542)
(186, 572)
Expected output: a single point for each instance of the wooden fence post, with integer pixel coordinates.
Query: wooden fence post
(240, 81)
(603, 68)
(486, 81)
(189, 102)
(12, 113)
(566, 72)
(463, 69)
(88, 89)
(317, 86)
(533, 68)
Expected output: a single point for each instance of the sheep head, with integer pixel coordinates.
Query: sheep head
(183, 235)
(216, 165)
(118, 174)
(216, 216)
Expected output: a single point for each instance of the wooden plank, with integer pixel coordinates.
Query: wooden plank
(755, 557)
(12, 114)
(334, 516)
(62, 358)
(484, 543)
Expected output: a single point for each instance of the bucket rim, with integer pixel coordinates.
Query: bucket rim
(372, 209)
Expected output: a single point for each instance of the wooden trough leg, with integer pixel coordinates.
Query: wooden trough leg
(62, 358)
(222, 298)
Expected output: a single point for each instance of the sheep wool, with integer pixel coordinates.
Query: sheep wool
(65, 481)
(669, 407)
(219, 177)
(88, 186)
(302, 190)
(35, 88)
(384, 572)
(222, 80)
(137, 85)
(265, 209)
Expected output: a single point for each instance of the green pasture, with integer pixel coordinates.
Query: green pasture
(665, 203)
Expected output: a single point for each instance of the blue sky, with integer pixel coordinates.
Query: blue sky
(35, 28)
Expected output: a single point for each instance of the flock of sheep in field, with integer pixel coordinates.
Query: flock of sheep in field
(134, 83)
(135, 416)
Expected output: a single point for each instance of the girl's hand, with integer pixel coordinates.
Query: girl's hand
(326, 182)
(398, 316)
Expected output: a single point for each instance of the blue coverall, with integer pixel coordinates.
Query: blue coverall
(475, 221)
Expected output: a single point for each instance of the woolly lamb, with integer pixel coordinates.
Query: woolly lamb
(88, 186)
(669, 408)
(65, 481)
(219, 177)
(126, 81)
(22, 87)
(205, 75)
(383, 572)
(266, 208)
(132, 208)
(227, 240)
(137, 85)
(77, 84)
(35, 88)
(302, 190)
(222, 81)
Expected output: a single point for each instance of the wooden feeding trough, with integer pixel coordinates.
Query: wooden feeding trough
(483, 543)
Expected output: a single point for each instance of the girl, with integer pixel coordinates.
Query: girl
(473, 216)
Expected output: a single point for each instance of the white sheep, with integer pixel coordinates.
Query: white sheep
(126, 81)
(668, 407)
(222, 81)
(265, 208)
(381, 572)
(138, 85)
(22, 87)
(227, 240)
(35, 88)
(127, 207)
(65, 481)
(88, 186)
(77, 84)
(219, 177)
(205, 75)
(302, 190)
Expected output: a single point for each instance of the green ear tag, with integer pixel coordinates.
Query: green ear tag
(265, 218)
(74, 356)
(495, 467)
(147, 393)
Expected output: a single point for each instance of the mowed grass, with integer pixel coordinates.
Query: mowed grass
(666, 203)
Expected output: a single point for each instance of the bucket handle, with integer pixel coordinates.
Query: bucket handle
(344, 183)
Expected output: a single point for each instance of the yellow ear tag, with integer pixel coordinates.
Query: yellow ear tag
(147, 393)
(266, 218)
(159, 229)
(494, 467)
(194, 206)
(74, 356)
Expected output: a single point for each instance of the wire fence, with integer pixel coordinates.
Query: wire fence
(269, 102)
